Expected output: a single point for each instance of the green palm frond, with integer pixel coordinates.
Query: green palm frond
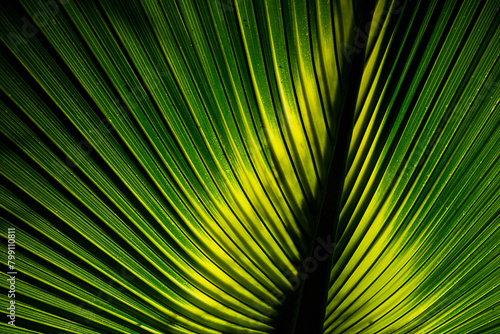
(301, 166)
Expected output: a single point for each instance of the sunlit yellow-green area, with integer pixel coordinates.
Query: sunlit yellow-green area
(164, 164)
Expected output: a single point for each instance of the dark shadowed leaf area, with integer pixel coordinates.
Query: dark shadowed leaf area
(250, 166)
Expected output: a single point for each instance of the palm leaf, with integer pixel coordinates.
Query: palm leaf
(251, 166)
